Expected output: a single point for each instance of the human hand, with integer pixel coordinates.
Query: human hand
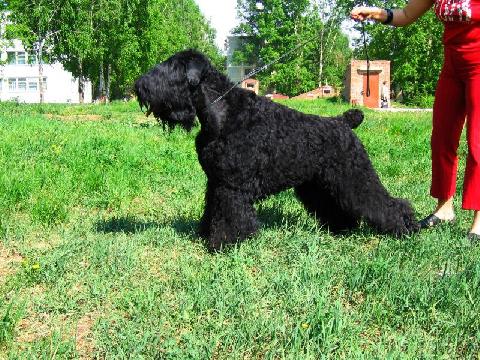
(362, 13)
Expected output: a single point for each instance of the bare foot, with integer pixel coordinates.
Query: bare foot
(444, 210)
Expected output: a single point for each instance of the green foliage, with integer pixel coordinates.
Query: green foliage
(281, 26)
(33, 21)
(423, 101)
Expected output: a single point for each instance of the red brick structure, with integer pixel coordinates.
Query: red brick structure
(323, 91)
(251, 84)
(277, 96)
(355, 91)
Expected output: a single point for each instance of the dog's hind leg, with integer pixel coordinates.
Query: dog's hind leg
(325, 207)
(388, 214)
(232, 217)
(362, 193)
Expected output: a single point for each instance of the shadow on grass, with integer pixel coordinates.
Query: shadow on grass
(126, 224)
(274, 217)
(131, 225)
(269, 217)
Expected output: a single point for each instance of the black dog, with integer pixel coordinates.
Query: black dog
(251, 147)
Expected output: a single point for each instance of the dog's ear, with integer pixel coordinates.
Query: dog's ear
(195, 69)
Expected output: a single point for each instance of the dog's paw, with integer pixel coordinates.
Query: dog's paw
(412, 225)
(407, 226)
(353, 117)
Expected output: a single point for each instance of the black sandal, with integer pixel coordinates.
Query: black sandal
(432, 220)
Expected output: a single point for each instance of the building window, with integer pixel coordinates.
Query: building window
(12, 85)
(19, 84)
(32, 59)
(11, 58)
(44, 83)
(17, 57)
(32, 85)
(22, 84)
(21, 58)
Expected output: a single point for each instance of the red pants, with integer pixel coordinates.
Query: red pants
(457, 98)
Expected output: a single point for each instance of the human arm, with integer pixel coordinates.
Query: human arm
(401, 17)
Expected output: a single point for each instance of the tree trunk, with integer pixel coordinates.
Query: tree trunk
(101, 83)
(81, 89)
(40, 70)
(320, 65)
(81, 85)
(107, 84)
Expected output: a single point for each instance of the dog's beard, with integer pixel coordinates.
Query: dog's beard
(186, 124)
(185, 118)
(169, 119)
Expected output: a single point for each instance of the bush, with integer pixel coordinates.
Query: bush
(422, 101)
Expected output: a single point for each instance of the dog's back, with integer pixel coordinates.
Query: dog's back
(352, 117)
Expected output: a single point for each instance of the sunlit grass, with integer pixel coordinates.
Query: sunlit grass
(99, 255)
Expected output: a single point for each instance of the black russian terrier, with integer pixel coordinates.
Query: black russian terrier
(250, 147)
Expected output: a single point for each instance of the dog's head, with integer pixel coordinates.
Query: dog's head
(166, 90)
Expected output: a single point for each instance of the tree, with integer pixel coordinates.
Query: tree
(35, 22)
(75, 45)
(149, 31)
(277, 27)
(328, 16)
(158, 40)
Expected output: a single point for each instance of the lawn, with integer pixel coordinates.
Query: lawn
(99, 256)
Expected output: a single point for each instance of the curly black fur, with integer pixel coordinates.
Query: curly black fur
(251, 147)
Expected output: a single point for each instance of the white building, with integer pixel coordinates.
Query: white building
(19, 78)
(235, 71)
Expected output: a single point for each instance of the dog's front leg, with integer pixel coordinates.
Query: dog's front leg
(206, 220)
(232, 216)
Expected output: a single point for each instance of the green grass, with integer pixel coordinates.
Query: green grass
(99, 257)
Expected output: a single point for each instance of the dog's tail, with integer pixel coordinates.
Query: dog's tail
(352, 117)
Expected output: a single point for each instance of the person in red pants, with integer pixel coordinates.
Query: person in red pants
(457, 99)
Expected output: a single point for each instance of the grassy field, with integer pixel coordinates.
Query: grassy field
(99, 256)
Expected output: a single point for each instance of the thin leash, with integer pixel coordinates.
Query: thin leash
(262, 68)
(365, 49)
(303, 43)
